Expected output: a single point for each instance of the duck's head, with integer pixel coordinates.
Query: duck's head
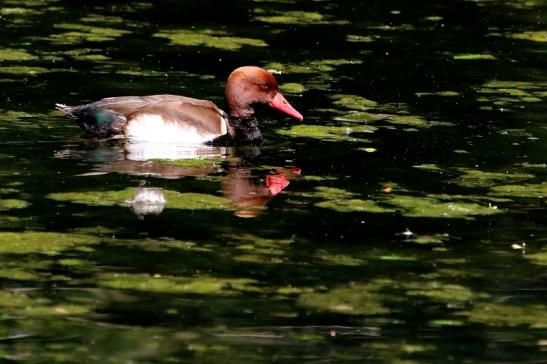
(251, 85)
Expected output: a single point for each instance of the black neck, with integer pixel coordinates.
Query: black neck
(240, 131)
(245, 130)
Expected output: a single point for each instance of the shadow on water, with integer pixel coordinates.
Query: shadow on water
(401, 222)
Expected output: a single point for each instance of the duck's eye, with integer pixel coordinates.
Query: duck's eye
(264, 86)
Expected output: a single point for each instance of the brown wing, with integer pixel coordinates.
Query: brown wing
(202, 115)
(108, 117)
(126, 105)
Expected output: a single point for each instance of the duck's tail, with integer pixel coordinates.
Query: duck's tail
(65, 108)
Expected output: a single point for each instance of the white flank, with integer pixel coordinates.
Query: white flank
(153, 128)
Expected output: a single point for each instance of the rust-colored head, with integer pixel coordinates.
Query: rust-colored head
(250, 85)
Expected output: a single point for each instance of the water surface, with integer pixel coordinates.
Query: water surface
(402, 222)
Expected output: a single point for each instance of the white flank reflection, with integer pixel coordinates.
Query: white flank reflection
(141, 151)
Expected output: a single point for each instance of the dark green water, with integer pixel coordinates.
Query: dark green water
(402, 222)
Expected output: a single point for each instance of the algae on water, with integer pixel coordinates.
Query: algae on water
(175, 200)
(208, 38)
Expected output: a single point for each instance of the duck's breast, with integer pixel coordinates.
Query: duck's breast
(195, 122)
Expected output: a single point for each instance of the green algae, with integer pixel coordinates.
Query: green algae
(451, 294)
(256, 240)
(370, 299)
(533, 165)
(8, 11)
(312, 67)
(522, 85)
(209, 38)
(36, 242)
(447, 93)
(297, 18)
(280, 68)
(483, 199)
(500, 314)
(17, 274)
(415, 121)
(141, 73)
(308, 338)
(397, 258)
(205, 163)
(430, 167)
(102, 19)
(415, 348)
(294, 17)
(21, 304)
(344, 201)
(328, 258)
(473, 57)
(353, 205)
(260, 250)
(354, 102)
(319, 71)
(393, 28)
(256, 258)
(195, 201)
(534, 36)
(331, 193)
(357, 117)
(91, 57)
(446, 323)
(12, 54)
(13, 300)
(514, 4)
(402, 352)
(315, 178)
(80, 33)
(501, 92)
(434, 18)
(434, 239)
(355, 299)
(513, 92)
(58, 310)
(178, 285)
(327, 132)
(354, 38)
(73, 263)
(23, 70)
(360, 105)
(430, 206)
(293, 88)
(13, 115)
(474, 178)
(12, 204)
(132, 7)
(175, 200)
(522, 190)
(515, 132)
(98, 198)
(539, 258)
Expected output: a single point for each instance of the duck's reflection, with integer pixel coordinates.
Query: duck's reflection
(249, 193)
(249, 189)
(147, 201)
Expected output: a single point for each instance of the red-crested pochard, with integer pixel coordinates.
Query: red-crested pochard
(184, 120)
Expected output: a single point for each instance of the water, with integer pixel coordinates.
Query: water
(402, 222)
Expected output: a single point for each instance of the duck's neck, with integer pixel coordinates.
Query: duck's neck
(244, 130)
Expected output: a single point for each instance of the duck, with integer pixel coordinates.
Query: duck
(186, 120)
